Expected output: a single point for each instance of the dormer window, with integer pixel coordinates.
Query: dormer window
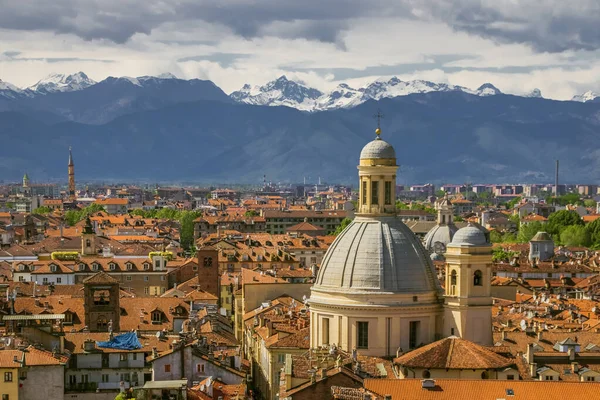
(156, 317)
(95, 266)
(146, 266)
(21, 267)
(112, 266)
(82, 267)
(53, 268)
(129, 266)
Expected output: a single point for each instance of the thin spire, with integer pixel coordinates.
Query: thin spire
(378, 116)
(70, 156)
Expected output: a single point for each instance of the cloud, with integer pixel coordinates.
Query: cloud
(547, 26)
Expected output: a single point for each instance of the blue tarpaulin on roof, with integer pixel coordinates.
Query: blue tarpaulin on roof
(126, 341)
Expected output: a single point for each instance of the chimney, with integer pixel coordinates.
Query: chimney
(529, 353)
(571, 354)
(574, 367)
(540, 334)
(533, 370)
(154, 352)
(503, 335)
(269, 328)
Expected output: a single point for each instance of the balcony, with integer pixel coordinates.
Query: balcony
(114, 385)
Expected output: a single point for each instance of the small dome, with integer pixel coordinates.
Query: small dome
(440, 233)
(469, 236)
(378, 149)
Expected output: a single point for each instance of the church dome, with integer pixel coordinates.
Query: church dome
(378, 148)
(376, 255)
(440, 233)
(469, 236)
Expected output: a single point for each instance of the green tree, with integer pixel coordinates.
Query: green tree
(484, 195)
(251, 213)
(561, 219)
(74, 216)
(593, 229)
(458, 218)
(589, 203)
(440, 193)
(345, 222)
(575, 235)
(528, 231)
(42, 210)
(512, 203)
(186, 230)
(499, 254)
(400, 205)
(167, 213)
(496, 237)
(569, 198)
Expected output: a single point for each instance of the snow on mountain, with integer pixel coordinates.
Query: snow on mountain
(585, 97)
(62, 83)
(395, 87)
(10, 91)
(285, 92)
(280, 92)
(343, 96)
(535, 93)
(487, 89)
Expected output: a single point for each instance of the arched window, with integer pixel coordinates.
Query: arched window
(88, 243)
(477, 278)
(443, 219)
(485, 375)
(426, 374)
(453, 278)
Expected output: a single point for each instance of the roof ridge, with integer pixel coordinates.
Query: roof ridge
(450, 351)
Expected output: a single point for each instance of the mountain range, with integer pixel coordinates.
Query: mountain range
(165, 129)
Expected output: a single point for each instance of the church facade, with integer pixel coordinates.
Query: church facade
(377, 291)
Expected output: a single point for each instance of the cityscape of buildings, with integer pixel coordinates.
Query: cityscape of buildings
(307, 291)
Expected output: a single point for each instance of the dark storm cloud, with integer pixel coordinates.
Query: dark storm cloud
(548, 25)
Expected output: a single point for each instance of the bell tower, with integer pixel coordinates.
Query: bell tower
(445, 212)
(377, 178)
(468, 298)
(101, 303)
(208, 270)
(72, 196)
(88, 239)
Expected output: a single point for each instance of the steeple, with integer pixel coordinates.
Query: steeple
(377, 177)
(71, 168)
(444, 211)
(25, 181)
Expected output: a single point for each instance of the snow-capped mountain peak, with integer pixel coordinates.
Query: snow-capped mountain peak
(487, 89)
(587, 96)
(8, 86)
(283, 91)
(279, 92)
(62, 83)
(535, 93)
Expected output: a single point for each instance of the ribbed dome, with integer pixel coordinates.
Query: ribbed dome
(377, 149)
(440, 233)
(469, 236)
(376, 255)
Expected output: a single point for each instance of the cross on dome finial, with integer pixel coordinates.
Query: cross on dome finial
(379, 115)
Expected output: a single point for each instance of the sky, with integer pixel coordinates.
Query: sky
(517, 45)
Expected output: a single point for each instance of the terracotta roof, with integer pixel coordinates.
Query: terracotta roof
(453, 389)
(100, 277)
(33, 357)
(106, 202)
(304, 226)
(452, 353)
